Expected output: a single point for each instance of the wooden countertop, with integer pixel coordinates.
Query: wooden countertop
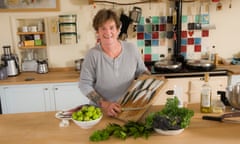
(35, 78)
(43, 128)
(70, 75)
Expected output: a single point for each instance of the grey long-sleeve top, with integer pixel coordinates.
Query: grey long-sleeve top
(110, 77)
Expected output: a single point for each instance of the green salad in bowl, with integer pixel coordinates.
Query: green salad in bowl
(170, 118)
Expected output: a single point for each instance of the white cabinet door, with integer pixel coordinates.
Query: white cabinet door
(68, 95)
(24, 98)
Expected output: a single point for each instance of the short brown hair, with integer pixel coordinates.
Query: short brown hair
(104, 15)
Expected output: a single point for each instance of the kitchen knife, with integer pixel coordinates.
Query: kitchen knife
(132, 108)
(223, 118)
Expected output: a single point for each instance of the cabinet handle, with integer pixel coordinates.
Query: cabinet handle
(45, 88)
(55, 88)
(170, 92)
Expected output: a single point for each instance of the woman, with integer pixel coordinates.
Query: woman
(110, 67)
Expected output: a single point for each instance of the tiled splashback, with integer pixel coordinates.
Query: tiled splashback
(155, 36)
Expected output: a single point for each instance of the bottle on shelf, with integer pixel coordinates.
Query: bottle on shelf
(206, 96)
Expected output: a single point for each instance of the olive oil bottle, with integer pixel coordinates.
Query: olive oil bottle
(206, 96)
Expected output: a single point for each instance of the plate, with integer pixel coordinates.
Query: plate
(168, 132)
(63, 115)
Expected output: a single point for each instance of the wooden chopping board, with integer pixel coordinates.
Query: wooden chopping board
(141, 94)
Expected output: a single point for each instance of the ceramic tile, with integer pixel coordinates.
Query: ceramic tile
(147, 57)
(155, 42)
(142, 21)
(197, 48)
(147, 50)
(155, 57)
(162, 20)
(184, 41)
(162, 27)
(147, 42)
(155, 50)
(155, 20)
(140, 36)
(184, 34)
(147, 36)
(184, 19)
(183, 48)
(155, 35)
(197, 41)
(155, 27)
(140, 28)
(162, 35)
(148, 28)
(205, 33)
(190, 41)
(140, 43)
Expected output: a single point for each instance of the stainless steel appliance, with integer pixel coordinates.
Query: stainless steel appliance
(11, 61)
(42, 66)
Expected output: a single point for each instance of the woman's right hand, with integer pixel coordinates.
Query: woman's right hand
(111, 108)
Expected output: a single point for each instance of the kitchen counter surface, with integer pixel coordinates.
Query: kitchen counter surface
(35, 78)
(43, 128)
(71, 76)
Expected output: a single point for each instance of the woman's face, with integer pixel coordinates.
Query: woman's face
(108, 32)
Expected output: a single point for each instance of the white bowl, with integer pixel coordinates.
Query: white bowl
(168, 132)
(87, 124)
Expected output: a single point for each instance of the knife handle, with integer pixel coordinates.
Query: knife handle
(212, 118)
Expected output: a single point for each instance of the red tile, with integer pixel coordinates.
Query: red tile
(183, 48)
(205, 33)
(140, 36)
(197, 48)
(147, 57)
(162, 27)
(190, 41)
(155, 35)
(184, 34)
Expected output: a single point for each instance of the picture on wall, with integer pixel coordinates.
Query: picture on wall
(29, 5)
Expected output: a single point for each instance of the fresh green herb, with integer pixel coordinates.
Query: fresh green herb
(170, 117)
(129, 129)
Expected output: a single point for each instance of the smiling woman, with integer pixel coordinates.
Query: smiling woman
(29, 5)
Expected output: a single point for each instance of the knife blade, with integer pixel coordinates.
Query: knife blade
(223, 117)
(132, 108)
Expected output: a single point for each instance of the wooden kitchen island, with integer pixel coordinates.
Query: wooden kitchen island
(43, 128)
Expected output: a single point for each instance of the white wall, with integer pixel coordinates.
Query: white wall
(225, 37)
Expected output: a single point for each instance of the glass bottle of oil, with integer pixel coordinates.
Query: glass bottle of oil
(206, 96)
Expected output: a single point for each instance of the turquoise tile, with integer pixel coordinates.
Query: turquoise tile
(147, 50)
(155, 19)
(184, 19)
(140, 43)
(205, 19)
(142, 21)
(155, 57)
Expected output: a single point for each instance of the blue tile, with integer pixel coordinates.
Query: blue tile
(140, 28)
(197, 41)
(147, 36)
(183, 41)
(155, 42)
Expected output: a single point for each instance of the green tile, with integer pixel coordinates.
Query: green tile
(162, 34)
(148, 28)
(147, 50)
(184, 19)
(155, 57)
(155, 19)
(142, 21)
(140, 43)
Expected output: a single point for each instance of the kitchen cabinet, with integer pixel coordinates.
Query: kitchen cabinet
(25, 98)
(191, 88)
(67, 96)
(40, 97)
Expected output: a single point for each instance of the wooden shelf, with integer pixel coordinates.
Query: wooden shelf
(33, 47)
(30, 33)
